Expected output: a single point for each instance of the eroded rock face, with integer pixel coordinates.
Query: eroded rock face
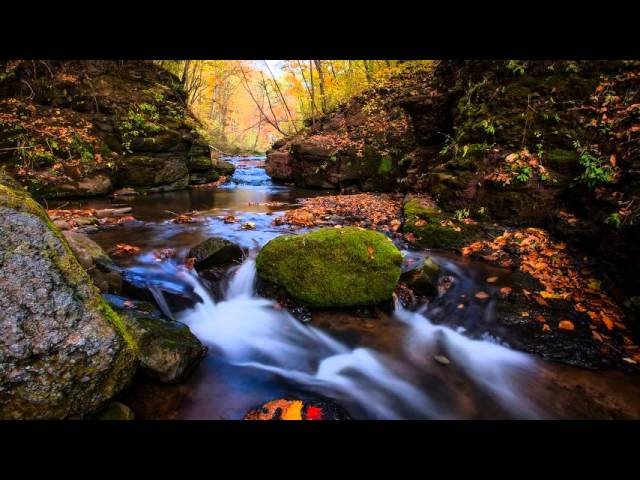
(63, 351)
(128, 121)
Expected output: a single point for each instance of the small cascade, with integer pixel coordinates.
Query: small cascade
(247, 331)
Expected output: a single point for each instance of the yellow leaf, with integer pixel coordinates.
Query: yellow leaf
(293, 411)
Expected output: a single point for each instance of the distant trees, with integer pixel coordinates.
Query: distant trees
(244, 103)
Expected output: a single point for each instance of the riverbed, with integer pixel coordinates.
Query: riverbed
(433, 362)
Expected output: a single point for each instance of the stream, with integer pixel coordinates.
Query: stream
(390, 367)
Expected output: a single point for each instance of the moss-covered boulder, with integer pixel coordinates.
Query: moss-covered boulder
(63, 351)
(167, 350)
(428, 227)
(332, 267)
(215, 252)
(223, 167)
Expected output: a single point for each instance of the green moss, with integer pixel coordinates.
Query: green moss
(385, 165)
(425, 223)
(332, 267)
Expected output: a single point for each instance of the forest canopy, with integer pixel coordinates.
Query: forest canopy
(246, 105)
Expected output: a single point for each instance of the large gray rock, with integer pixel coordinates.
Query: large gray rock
(63, 351)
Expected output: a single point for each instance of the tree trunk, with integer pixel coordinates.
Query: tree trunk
(313, 116)
(323, 98)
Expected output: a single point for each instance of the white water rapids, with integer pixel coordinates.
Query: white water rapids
(249, 332)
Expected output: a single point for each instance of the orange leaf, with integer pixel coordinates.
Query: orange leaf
(566, 325)
(482, 295)
(505, 291)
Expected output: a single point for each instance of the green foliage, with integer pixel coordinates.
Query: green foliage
(615, 220)
(596, 171)
(385, 165)
(461, 214)
(515, 67)
(140, 121)
(488, 127)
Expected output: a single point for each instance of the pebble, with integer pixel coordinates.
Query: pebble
(441, 359)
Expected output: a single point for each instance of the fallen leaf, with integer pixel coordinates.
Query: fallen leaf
(482, 295)
(492, 279)
(566, 325)
(504, 291)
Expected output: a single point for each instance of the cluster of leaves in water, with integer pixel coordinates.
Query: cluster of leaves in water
(140, 121)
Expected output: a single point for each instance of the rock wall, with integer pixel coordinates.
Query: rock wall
(63, 351)
(553, 144)
(78, 128)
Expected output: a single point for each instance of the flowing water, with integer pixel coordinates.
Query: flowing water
(437, 362)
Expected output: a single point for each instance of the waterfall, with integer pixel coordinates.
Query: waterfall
(249, 331)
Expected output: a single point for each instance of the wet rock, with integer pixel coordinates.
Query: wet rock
(97, 184)
(215, 251)
(85, 221)
(167, 141)
(199, 178)
(63, 351)
(151, 283)
(424, 280)
(113, 212)
(116, 411)
(288, 409)
(95, 262)
(223, 167)
(199, 163)
(332, 267)
(154, 173)
(123, 192)
(62, 224)
(279, 165)
(168, 351)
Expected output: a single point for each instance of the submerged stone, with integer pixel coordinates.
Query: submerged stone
(215, 251)
(423, 280)
(332, 267)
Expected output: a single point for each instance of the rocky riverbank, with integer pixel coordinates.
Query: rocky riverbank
(85, 128)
